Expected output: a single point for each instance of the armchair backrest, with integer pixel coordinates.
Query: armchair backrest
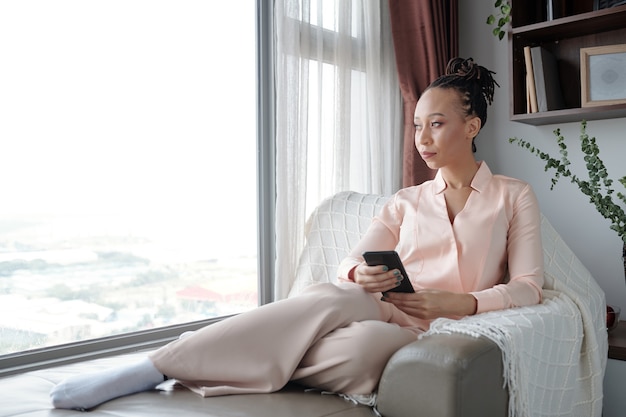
(335, 226)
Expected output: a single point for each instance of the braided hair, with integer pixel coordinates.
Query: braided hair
(474, 83)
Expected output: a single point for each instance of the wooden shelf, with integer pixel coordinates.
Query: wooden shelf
(573, 26)
(563, 37)
(571, 115)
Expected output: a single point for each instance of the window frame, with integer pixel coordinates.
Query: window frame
(328, 39)
(149, 339)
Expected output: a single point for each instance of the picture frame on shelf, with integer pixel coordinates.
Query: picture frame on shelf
(603, 75)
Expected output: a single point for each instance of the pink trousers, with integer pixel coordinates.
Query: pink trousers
(332, 337)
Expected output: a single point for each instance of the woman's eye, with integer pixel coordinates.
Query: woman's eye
(435, 124)
(418, 127)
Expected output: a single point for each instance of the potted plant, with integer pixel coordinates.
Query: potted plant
(598, 187)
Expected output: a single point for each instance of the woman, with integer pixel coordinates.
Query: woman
(458, 236)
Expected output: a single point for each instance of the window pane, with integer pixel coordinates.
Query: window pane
(128, 164)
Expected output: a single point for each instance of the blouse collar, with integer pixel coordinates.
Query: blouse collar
(479, 182)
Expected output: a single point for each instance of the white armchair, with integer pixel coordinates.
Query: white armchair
(547, 359)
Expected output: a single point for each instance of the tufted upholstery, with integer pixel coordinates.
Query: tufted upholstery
(335, 226)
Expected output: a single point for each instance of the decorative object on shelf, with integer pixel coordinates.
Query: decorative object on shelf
(500, 18)
(612, 317)
(603, 75)
(599, 187)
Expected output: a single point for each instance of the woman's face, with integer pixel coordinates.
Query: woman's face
(443, 134)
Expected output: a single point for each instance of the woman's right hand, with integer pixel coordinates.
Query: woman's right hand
(376, 278)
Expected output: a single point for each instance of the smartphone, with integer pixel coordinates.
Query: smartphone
(392, 260)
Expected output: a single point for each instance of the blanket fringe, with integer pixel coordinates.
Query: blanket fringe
(368, 400)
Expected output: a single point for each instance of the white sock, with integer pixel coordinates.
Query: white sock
(91, 389)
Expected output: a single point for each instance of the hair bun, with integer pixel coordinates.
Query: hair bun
(465, 68)
(470, 71)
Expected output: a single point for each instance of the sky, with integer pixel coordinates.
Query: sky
(136, 111)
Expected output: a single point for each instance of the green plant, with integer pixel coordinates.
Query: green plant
(500, 18)
(599, 187)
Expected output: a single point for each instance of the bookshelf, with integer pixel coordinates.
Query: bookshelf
(580, 27)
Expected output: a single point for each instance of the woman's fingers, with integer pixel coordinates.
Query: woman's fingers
(377, 278)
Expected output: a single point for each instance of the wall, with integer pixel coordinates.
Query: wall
(583, 229)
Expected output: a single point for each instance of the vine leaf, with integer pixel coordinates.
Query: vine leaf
(501, 17)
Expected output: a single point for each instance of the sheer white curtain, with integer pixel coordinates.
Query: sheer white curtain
(339, 112)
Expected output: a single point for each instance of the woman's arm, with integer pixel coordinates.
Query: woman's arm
(377, 237)
(524, 257)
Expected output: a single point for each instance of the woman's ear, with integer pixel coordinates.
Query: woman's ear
(473, 126)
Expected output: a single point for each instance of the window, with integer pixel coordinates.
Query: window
(129, 166)
(338, 112)
(333, 52)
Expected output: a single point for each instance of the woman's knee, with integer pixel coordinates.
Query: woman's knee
(374, 343)
(345, 297)
(341, 289)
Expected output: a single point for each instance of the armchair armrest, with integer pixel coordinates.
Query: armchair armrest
(444, 375)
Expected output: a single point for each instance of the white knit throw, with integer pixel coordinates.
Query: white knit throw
(540, 352)
(554, 354)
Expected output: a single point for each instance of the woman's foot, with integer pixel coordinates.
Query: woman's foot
(91, 389)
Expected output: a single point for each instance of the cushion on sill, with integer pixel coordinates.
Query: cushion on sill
(26, 395)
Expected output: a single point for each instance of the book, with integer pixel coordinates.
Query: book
(527, 96)
(531, 102)
(547, 80)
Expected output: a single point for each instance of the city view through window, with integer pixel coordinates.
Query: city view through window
(128, 167)
(73, 286)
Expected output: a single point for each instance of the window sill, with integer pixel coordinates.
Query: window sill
(97, 348)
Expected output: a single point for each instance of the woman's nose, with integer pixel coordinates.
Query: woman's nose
(422, 136)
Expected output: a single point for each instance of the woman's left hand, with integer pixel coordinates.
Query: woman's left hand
(430, 304)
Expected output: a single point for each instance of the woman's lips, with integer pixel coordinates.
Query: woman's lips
(427, 155)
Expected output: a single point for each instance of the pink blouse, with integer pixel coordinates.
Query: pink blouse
(497, 234)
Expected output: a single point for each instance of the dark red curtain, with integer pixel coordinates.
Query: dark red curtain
(425, 38)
